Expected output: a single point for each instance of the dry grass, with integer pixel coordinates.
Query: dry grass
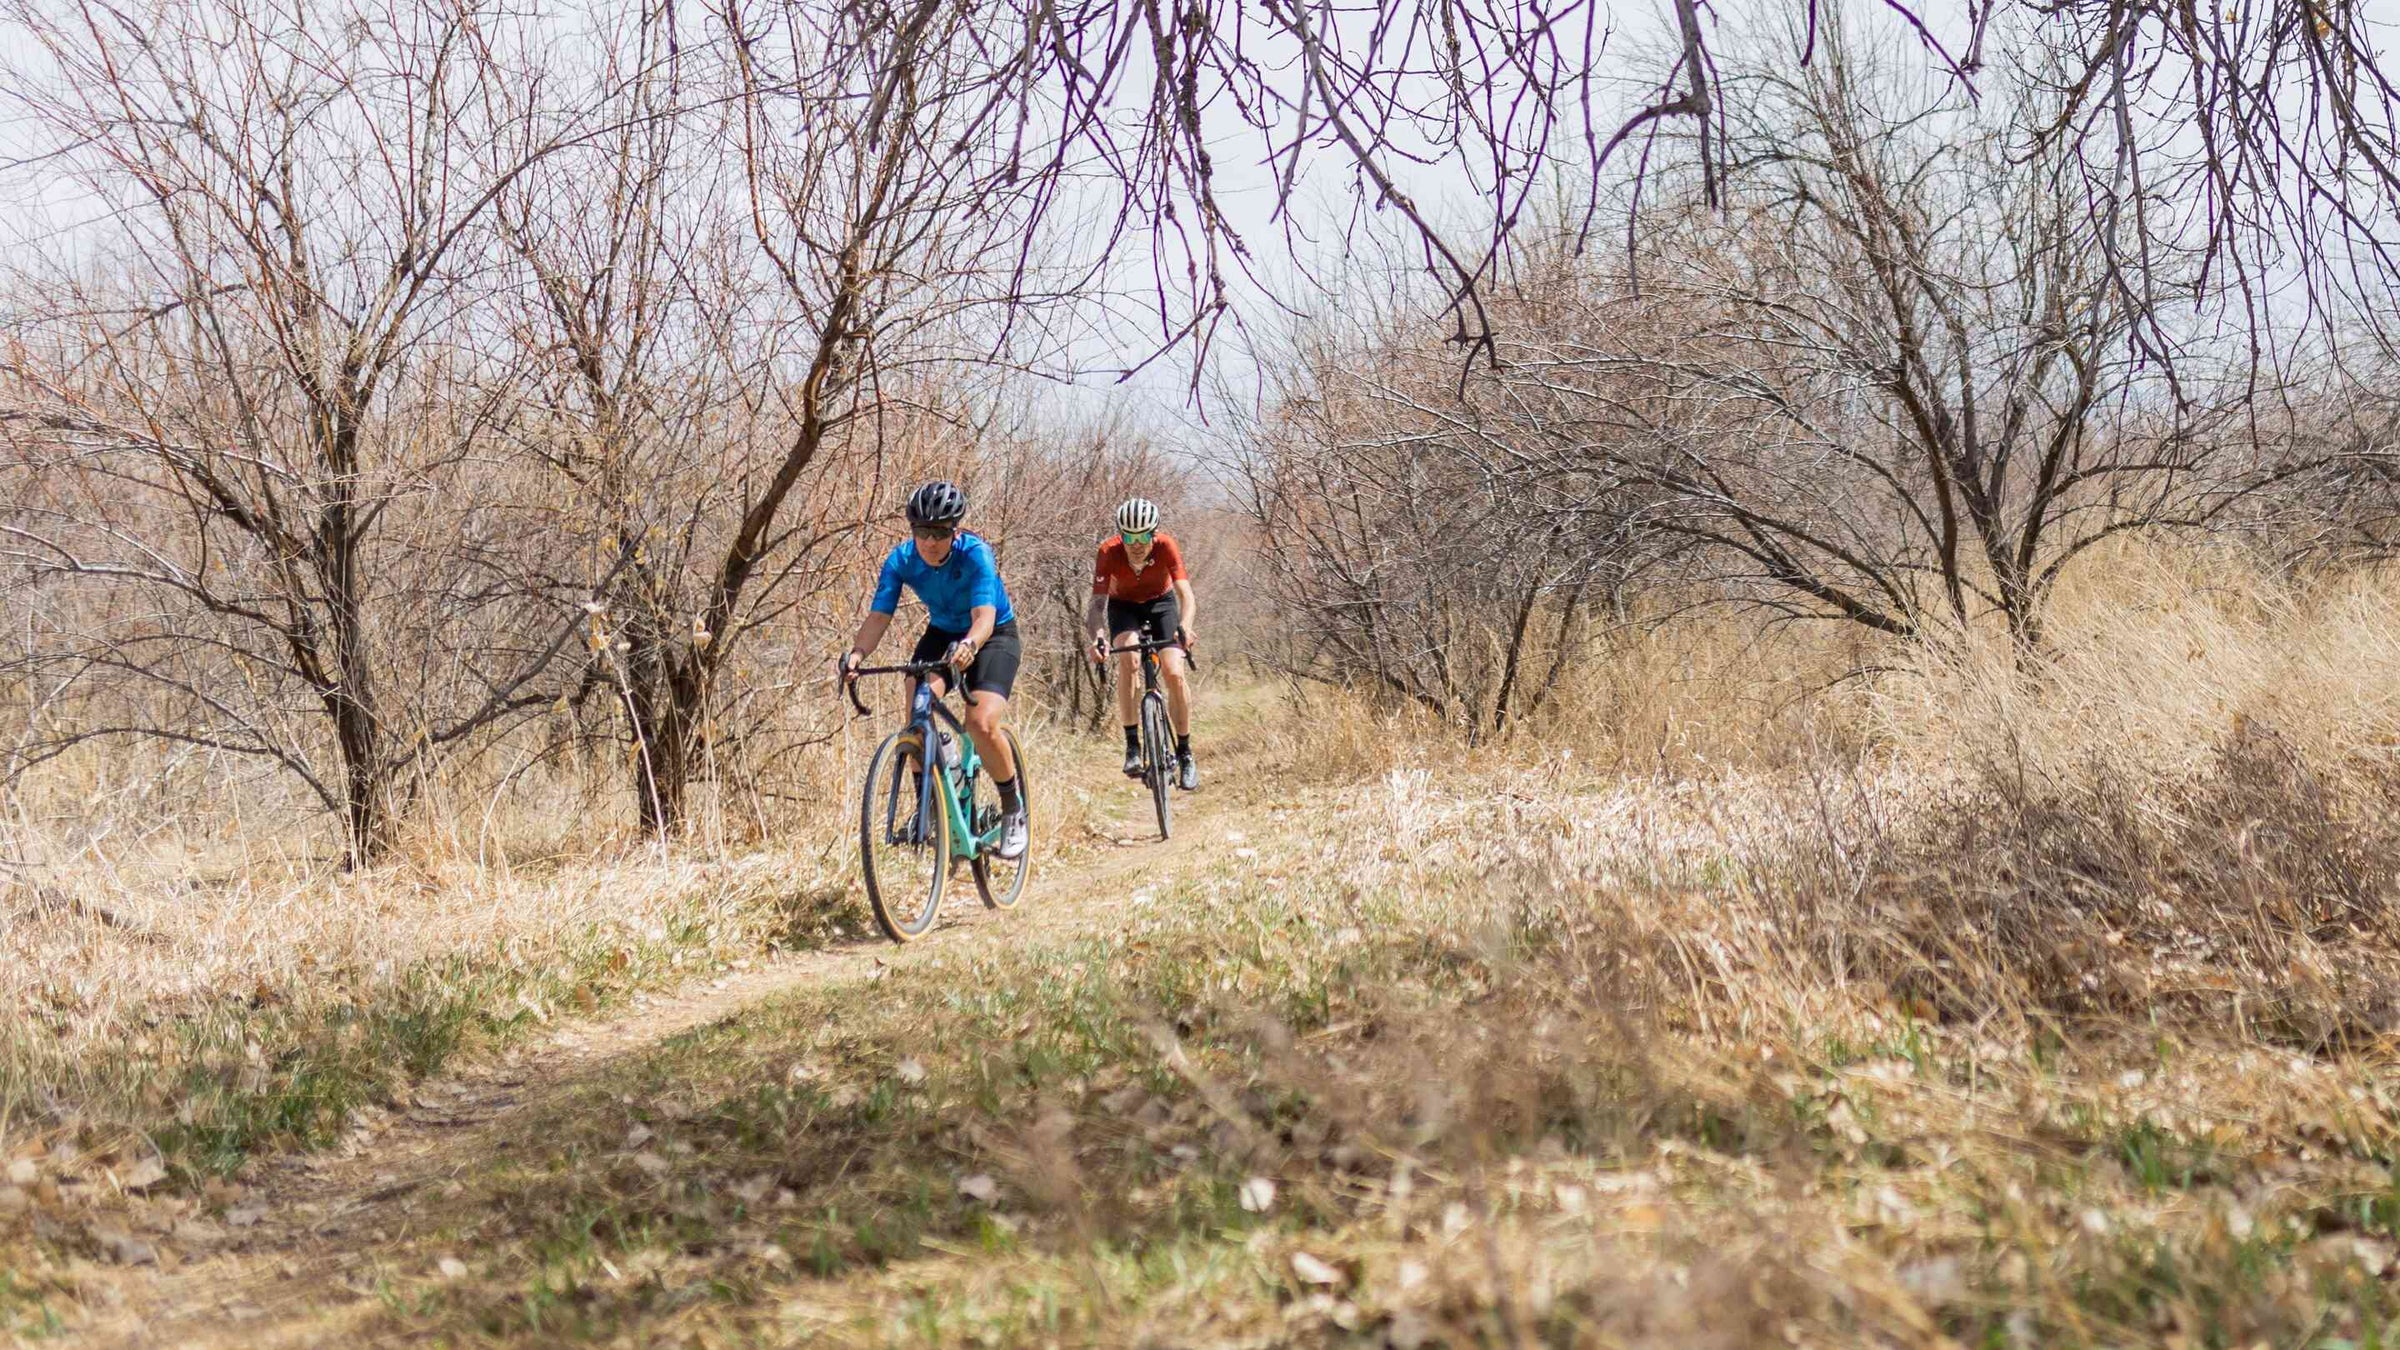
(1906, 1038)
(194, 989)
(2161, 657)
(1684, 697)
(1503, 1059)
(1956, 1007)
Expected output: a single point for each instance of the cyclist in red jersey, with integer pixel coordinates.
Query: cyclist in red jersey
(1139, 589)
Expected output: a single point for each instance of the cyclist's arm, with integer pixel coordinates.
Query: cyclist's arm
(1185, 605)
(979, 630)
(880, 609)
(870, 633)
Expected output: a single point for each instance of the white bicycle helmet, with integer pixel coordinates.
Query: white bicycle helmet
(1139, 515)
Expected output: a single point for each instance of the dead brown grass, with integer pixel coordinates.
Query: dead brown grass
(1961, 1005)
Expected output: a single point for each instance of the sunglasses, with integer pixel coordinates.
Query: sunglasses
(1139, 536)
(930, 532)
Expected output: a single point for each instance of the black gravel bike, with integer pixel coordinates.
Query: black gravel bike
(1157, 731)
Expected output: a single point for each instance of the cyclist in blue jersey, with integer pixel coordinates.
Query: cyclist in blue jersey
(970, 627)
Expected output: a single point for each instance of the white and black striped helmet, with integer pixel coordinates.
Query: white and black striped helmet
(1139, 515)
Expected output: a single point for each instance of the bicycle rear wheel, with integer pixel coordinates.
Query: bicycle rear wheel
(906, 857)
(1000, 880)
(1158, 760)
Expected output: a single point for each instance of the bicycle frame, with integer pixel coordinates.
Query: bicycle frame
(927, 715)
(944, 791)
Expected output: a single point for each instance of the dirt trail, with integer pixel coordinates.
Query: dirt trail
(301, 1274)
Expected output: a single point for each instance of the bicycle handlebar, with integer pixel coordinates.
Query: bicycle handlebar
(1151, 645)
(914, 669)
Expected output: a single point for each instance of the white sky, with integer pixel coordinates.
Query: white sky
(1317, 240)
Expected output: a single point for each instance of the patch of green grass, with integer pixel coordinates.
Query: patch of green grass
(2161, 1159)
(26, 1311)
(238, 1079)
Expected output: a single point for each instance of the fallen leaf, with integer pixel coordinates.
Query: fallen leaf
(651, 1163)
(246, 1216)
(1313, 1271)
(197, 1232)
(910, 1071)
(123, 1248)
(638, 1136)
(979, 1187)
(143, 1175)
(1258, 1195)
(23, 1172)
(1936, 1282)
(451, 1268)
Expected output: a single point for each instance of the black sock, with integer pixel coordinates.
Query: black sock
(1183, 747)
(1008, 794)
(1133, 739)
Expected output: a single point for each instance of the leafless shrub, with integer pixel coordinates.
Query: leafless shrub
(1442, 553)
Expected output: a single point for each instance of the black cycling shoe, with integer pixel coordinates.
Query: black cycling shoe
(1187, 773)
(1133, 763)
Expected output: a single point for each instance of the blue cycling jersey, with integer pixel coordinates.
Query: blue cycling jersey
(969, 577)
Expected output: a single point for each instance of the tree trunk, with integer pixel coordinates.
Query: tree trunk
(665, 690)
(365, 796)
(1516, 654)
(349, 696)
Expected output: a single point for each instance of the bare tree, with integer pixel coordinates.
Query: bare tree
(655, 395)
(244, 417)
(1446, 552)
(1900, 383)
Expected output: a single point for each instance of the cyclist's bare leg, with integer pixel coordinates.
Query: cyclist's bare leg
(983, 720)
(1179, 690)
(1129, 679)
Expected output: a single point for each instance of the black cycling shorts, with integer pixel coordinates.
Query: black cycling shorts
(1159, 620)
(994, 669)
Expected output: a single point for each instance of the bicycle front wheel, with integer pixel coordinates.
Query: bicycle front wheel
(1158, 760)
(1002, 880)
(903, 849)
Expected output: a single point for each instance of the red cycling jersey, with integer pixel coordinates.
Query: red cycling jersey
(1113, 574)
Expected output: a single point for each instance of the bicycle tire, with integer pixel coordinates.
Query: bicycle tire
(1158, 758)
(891, 780)
(1001, 881)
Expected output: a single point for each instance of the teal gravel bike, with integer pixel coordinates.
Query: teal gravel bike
(915, 827)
